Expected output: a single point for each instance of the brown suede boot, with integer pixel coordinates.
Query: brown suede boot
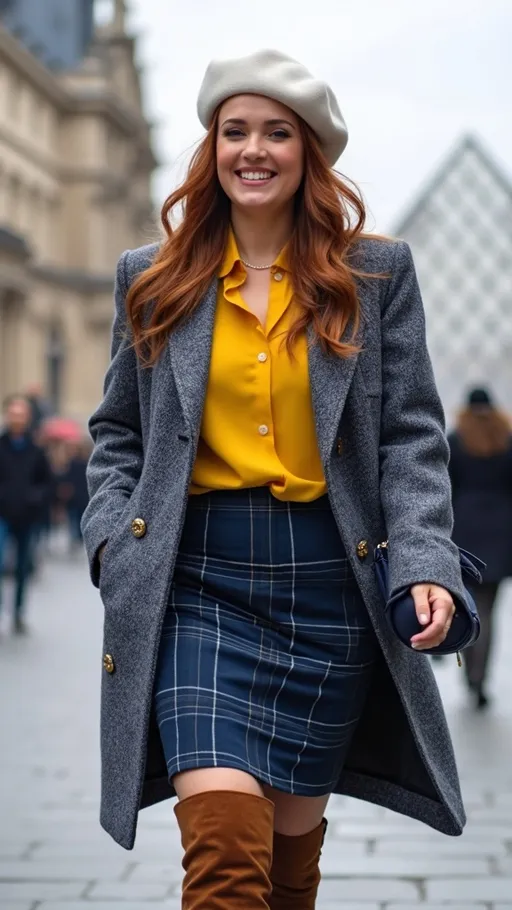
(295, 874)
(227, 838)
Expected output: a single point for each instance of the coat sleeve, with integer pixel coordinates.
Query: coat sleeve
(453, 463)
(414, 452)
(116, 462)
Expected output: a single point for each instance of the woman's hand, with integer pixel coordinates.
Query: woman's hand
(435, 610)
(100, 553)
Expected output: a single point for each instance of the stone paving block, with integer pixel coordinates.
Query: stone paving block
(158, 855)
(48, 832)
(491, 814)
(476, 801)
(370, 828)
(505, 864)
(17, 905)
(108, 905)
(346, 849)
(159, 813)
(381, 828)
(161, 822)
(59, 818)
(365, 889)
(40, 891)
(449, 906)
(473, 889)
(64, 871)
(80, 851)
(461, 847)
(343, 905)
(130, 891)
(403, 867)
(354, 810)
(14, 849)
(150, 837)
(170, 873)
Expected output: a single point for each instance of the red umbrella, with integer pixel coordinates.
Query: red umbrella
(62, 429)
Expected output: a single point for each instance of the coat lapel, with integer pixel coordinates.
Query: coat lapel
(330, 379)
(189, 350)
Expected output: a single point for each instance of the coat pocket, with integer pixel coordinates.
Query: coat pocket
(114, 547)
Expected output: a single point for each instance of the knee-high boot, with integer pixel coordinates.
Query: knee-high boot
(295, 872)
(227, 839)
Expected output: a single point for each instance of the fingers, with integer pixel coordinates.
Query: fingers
(421, 603)
(442, 612)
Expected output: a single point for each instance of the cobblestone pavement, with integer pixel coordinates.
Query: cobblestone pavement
(53, 854)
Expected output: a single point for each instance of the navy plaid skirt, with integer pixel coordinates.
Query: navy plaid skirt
(267, 649)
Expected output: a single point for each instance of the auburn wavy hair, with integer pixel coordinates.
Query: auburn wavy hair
(484, 432)
(329, 219)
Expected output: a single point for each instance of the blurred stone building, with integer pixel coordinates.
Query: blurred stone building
(75, 167)
(460, 231)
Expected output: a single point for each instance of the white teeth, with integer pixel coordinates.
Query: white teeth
(255, 175)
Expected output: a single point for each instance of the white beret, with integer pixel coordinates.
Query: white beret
(277, 76)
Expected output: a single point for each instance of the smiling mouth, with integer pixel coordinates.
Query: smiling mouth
(261, 176)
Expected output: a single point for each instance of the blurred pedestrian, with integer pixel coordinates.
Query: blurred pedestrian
(62, 491)
(40, 407)
(76, 478)
(25, 480)
(246, 462)
(481, 475)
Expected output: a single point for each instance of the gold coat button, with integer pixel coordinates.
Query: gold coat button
(108, 663)
(139, 527)
(362, 549)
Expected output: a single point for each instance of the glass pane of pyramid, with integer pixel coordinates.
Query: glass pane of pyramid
(460, 232)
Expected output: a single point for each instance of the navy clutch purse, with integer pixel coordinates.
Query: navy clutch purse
(401, 614)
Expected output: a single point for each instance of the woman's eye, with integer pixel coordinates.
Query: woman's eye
(234, 133)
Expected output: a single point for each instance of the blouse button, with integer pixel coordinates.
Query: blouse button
(262, 357)
(278, 276)
(263, 430)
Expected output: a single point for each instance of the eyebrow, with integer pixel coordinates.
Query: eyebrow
(275, 122)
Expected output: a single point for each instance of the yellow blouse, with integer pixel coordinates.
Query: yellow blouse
(258, 424)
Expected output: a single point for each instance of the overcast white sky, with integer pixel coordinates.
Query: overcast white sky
(411, 77)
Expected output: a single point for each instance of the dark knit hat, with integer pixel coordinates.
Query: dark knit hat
(479, 397)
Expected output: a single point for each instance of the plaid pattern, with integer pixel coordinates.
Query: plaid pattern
(267, 649)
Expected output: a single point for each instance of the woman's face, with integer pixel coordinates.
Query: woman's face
(260, 156)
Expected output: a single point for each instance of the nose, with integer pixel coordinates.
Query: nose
(254, 149)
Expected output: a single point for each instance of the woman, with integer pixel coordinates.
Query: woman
(269, 417)
(481, 475)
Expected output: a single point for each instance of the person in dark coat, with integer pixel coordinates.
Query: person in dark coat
(481, 475)
(40, 408)
(76, 477)
(25, 479)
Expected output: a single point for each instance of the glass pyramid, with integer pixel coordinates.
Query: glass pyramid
(460, 232)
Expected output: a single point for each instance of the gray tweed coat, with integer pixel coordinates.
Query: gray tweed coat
(380, 429)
